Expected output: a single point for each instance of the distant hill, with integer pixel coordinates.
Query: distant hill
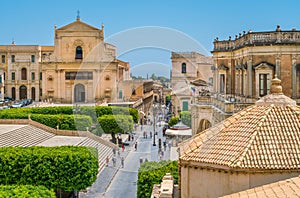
(164, 81)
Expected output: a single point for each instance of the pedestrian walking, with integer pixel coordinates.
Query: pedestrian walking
(114, 161)
(169, 145)
(123, 147)
(122, 162)
(150, 134)
(135, 146)
(114, 151)
(107, 160)
(141, 160)
(119, 153)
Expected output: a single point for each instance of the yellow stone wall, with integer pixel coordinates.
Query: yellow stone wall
(54, 62)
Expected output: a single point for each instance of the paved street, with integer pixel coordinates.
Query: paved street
(114, 182)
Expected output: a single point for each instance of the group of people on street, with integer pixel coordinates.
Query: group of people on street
(146, 134)
(114, 158)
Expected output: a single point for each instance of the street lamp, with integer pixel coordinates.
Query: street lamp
(76, 109)
(154, 124)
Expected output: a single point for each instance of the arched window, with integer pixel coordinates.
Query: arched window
(78, 53)
(133, 91)
(24, 74)
(183, 68)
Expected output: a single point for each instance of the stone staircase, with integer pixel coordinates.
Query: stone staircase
(103, 151)
(25, 136)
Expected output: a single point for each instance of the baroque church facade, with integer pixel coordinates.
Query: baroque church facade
(80, 67)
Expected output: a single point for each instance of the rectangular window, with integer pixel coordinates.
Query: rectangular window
(185, 106)
(0, 79)
(264, 84)
(120, 94)
(13, 76)
(41, 76)
(32, 58)
(222, 83)
(32, 76)
(41, 92)
(13, 58)
(3, 58)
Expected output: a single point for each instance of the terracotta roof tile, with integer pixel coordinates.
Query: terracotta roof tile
(262, 136)
(284, 188)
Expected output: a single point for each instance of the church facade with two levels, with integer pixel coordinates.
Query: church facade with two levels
(80, 67)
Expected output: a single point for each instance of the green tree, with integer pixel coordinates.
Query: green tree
(173, 121)
(151, 173)
(116, 124)
(186, 118)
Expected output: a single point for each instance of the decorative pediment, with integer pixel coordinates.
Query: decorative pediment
(199, 82)
(77, 26)
(264, 66)
(223, 67)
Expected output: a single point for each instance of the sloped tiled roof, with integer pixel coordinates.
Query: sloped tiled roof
(263, 136)
(285, 188)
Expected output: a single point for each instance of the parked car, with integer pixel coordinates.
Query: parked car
(17, 105)
(6, 98)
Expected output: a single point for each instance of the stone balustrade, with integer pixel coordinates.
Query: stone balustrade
(258, 38)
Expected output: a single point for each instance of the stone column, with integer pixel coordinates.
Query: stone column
(249, 75)
(179, 175)
(59, 85)
(277, 66)
(294, 76)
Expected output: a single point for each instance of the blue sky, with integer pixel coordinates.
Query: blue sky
(31, 22)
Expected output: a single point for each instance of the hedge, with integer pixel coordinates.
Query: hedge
(93, 112)
(151, 173)
(64, 168)
(25, 191)
(65, 122)
(52, 110)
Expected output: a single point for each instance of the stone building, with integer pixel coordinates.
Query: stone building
(188, 69)
(80, 67)
(254, 147)
(244, 66)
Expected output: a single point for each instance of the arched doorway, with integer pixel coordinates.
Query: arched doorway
(79, 93)
(13, 93)
(23, 92)
(204, 124)
(33, 93)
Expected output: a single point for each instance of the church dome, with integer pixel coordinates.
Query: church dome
(263, 136)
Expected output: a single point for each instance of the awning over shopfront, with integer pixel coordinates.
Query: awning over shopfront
(179, 129)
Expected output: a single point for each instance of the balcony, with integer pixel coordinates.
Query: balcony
(257, 39)
(225, 103)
